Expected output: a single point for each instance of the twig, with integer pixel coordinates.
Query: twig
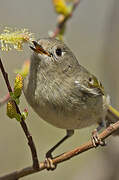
(58, 29)
(68, 155)
(23, 124)
(39, 166)
(61, 24)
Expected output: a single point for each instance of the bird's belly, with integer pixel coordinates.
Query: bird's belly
(67, 115)
(69, 119)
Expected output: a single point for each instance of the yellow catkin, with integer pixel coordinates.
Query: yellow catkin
(61, 7)
(18, 85)
(11, 39)
(11, 109)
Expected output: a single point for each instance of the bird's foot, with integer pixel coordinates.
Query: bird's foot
(49, 162)
(96, 140)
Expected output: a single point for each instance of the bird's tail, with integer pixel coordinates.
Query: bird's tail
(112, 117)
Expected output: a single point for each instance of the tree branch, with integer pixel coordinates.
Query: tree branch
(23, 124)
(68, 155)
(57, 31)
(61, 24)
(39, 166)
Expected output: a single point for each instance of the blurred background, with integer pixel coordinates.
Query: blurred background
(93, 35)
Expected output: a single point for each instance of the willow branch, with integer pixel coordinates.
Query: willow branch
(57, 31)
(23, 124)
(61, 24)
(64, 157)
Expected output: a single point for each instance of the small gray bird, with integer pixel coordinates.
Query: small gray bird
(62, 92)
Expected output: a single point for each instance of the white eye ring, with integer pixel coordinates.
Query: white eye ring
(91, 80)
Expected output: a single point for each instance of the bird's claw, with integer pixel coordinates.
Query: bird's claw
(49, 164)
(96, 140)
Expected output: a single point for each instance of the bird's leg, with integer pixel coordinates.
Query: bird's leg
(49, 164)
(95, 137)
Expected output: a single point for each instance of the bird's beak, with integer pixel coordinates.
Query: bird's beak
(39, 49)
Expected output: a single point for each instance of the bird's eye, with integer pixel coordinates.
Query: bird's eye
(58, 52)
(91, 80)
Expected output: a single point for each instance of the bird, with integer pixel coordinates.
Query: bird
(64, 93)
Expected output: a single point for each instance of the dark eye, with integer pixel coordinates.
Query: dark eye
(58, 52)
(90, 79)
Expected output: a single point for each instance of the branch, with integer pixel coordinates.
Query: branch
(61, 24)
(57, 31)
(23, 124)
(68, 155)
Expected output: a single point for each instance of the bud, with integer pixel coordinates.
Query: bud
(61, 7)
(11, 109)
(24, 114)
(18, 85)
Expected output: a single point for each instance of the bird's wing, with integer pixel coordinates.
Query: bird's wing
(92, 91)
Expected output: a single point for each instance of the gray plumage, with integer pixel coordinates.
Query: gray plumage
(61, 91)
